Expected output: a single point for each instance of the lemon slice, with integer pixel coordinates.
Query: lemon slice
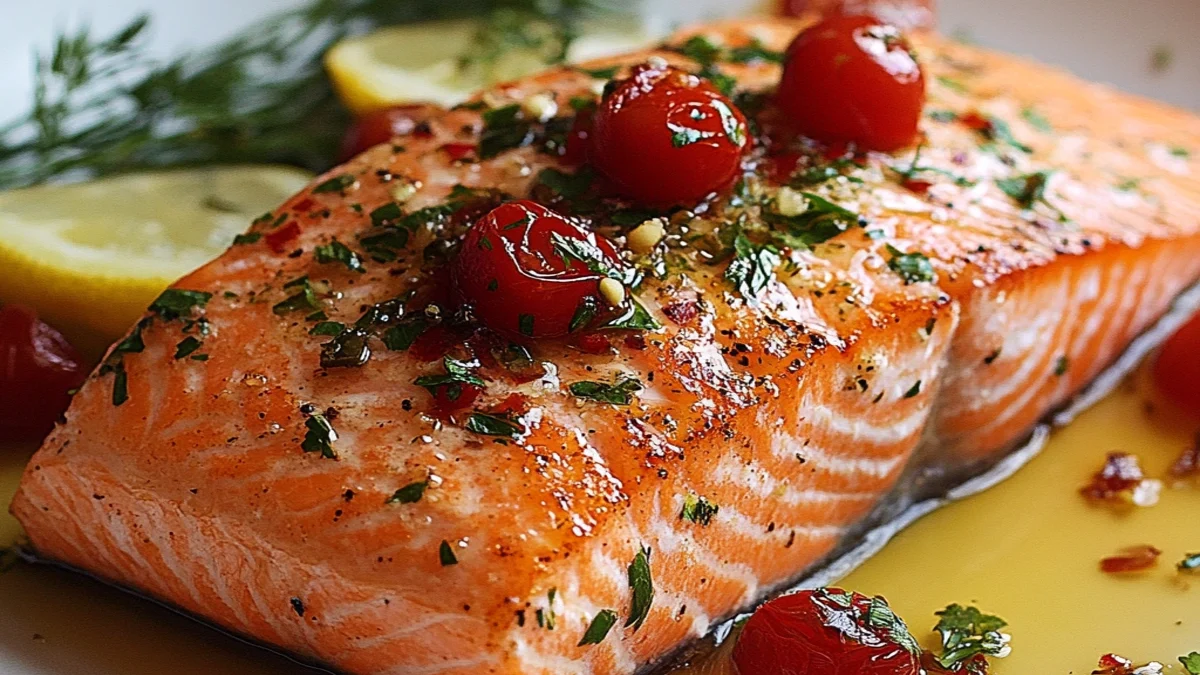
(421, 62)
(90, 257)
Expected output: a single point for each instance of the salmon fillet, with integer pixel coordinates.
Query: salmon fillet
(768, 434)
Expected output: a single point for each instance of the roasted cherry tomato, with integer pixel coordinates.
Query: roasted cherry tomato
(38, 367)
(665, 136)
(520, 270)
(826, 631)
(1177, 370)
(383, 125)
(853, 79)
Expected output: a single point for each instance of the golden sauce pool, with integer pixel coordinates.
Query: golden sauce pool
(1028, 550)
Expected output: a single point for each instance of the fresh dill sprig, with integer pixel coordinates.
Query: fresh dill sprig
(104, 105)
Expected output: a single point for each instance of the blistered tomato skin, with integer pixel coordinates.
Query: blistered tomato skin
(1177, 369)
(383, 125)
(513, 273)
(853, 79)
(665, 136)
(825, 632)
(38, 367)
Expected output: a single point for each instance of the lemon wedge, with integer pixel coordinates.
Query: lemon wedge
(421, 62)
(89, 257)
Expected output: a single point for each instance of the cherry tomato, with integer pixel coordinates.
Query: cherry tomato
(665, 136)
(383, 125)
(826, 631)
(853, 79)
(1177, 370)
(38, 367)
(513, 270)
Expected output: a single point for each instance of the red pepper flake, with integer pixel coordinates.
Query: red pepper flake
(1121, 481)
(1112, 664)
(459, 151)
(280, 239)
(973, 120)
(1131, 559)
(304, 205)
(593, 343)
(683, 312)
(918, 186)
(1188, 463)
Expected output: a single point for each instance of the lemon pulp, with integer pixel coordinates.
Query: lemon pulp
(89, 257)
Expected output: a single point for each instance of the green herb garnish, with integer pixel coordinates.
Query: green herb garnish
(634, 317)
(1191, 663)
(186, 347)
(1061, 365)
(336, 251)
(1026, 190)
(446, 554)
(755, 52)
(698, 510)
(619, 393)
(176, 302)
(400, 337)
(642, 586)
(247, 238)
(601, 624)
(328, 328)
(1036, 120)
(457, 374)
(305, 298)
(752, 268)
(912, 267)
(492, 425)
(336, 184)
(566, 185)
(914, 390)
(320, 436)
(967, 632)
(409, 494)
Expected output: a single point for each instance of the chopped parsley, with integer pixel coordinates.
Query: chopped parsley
(304, 298)
(320, 436)
(698, 510)
(409, 494)
(820, 222)
(682, 136)
(635, 317)
(700, 49)
(999, 131)
(546, 617)
(336, 184)
(348, 349)
(848, 616)
(967, 632)
(176, 302)
(504, 129)
(1191, 663)
(457, 374)
(401, 336)
(755, 52)
(446, 554)
(120, 393)
(914, 390)
(492, 425)
(599, 73)
(247, 238)
(1036, 120)
(619, 393)
(1061, 366)
(328, 328)
(187, 346)
(584, 313)
(912, 267)
(601, 624)
(952, 84)
(566, 185)
(593, 257)
(336, 251)
(752, 268)
(642, 586)
(1181, 152)
(1026, 190)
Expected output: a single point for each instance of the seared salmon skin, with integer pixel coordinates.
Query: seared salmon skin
(312, 442)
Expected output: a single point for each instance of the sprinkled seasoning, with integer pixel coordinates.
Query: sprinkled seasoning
(601, 624)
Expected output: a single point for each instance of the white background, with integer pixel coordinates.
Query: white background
(1108, 40)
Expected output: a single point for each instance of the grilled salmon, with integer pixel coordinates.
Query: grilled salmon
(264, 451)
